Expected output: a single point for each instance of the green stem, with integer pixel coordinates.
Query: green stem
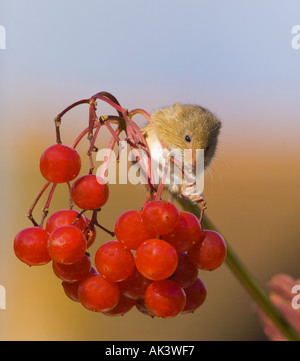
(246, 279)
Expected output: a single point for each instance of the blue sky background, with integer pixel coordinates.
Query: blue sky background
(234, 57)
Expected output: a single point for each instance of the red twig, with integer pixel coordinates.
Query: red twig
(162, 181)
(29, 214)
(108, 154)
(70, 196)
(57, 119)
(81, 135)
(46, 207)
(111, 100)
(94, 222)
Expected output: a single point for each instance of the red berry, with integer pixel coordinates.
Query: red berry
(67, 245)
(71, 288)
(72, 272)
(130, 229)
(97, 294)
(60, 163)
(124, 305)
(65, 217)
(30, 246)
(114, 262)
(156, 259)
(88, 193)
(165, 298)
(186, 233)
(210, 252)
(186, 272)
(135, 285)
(160, 217)
(195, 296)
(140, 306)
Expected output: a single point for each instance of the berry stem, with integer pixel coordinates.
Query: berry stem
(29, 214)
(247, 280)
(94, 222)
(108, 154)
(83, 101)
(70, 196)
(162, 181)
(78, 217)
(148, 117)
(114, 134)
(136, 140)
(47, 205)
(57, 119)
(111, 100)
(81, 135)
(92, 145)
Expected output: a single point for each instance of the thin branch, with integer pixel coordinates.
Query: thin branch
(246, 278)
(29, 214)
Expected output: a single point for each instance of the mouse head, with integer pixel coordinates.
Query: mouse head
(188, 127)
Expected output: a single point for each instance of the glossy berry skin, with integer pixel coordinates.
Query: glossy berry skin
(114, 262)
(97, 294)
(131, 231)
(73, 272)
(210, 252)
(88, 193)
(186, 272)
(67, 245)
(186, 233)
(65, 217)
(71, 288)
(165, 299)
(30, 246)
(195, 296)
(160, 217)
(124, 305)
(156, 259)
(60, 163)
(140, 306)
(135, 285)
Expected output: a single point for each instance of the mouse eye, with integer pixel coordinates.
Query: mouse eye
(187, 138)
(207, 148)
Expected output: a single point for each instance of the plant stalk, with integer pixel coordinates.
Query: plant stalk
(247, 280)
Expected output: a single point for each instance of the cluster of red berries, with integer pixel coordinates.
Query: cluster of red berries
(153, 263)
(165, 250)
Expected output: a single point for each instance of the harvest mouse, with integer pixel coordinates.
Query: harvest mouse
(183, 127)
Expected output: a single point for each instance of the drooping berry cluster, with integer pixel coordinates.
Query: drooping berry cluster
(154, 259)
(169, 248)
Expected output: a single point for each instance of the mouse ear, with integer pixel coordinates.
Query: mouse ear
(177, 108)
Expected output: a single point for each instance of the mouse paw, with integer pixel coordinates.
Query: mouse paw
(191, 193)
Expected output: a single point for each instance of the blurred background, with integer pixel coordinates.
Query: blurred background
(234, 58)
